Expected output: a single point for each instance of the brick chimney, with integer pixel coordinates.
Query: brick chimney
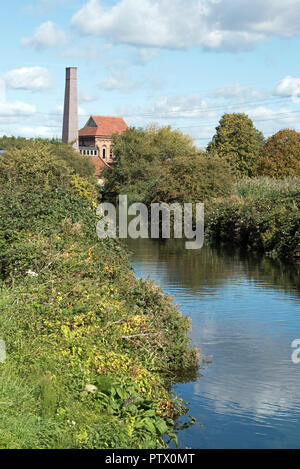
(70, 123)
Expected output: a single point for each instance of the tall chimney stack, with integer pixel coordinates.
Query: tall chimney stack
(70, 124)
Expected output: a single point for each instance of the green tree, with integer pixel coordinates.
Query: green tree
(238, 142)
(280, 156)
(139, 153)
(193, 179)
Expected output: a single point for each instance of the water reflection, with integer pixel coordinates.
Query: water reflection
(245, 313)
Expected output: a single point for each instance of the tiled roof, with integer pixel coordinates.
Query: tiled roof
(100, 164)
(105, 126)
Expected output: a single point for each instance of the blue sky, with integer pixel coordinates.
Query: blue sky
(172, 62)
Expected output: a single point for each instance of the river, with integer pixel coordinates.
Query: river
(245, 313)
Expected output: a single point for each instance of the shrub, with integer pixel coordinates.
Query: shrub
(193, 178)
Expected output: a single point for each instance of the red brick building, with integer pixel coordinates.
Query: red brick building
(95, 139)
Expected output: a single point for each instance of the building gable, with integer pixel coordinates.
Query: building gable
(91, 123)
(103, 126)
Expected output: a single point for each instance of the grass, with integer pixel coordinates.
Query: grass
(266, 187)
(261, 215)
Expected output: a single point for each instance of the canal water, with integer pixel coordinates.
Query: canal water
(245, 313)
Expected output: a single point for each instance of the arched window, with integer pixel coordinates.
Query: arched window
(104, 153)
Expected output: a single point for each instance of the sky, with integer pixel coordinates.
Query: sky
(182, 63)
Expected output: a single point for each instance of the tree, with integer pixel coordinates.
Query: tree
(139, 153)
(280, 156)
(170, 143)
(238, 142)
(193, 179)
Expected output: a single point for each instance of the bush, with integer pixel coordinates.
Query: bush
(38, 160)
(194, 178)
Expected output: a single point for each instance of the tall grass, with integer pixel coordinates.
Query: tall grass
(266, 187)
(263, 214)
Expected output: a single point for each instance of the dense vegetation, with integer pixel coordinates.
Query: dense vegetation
(262, 214)
(139, 154)
(163, 165)
(258, 213)
(90, 350)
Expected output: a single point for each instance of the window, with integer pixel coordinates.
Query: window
(111, 154)
(91, 123)
(104, 153)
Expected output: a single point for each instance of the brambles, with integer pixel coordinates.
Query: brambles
(80, 318)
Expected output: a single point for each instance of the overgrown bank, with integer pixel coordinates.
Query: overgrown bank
(262, 214)
(89, 347)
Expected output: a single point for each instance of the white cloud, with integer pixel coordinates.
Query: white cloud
(191, 106)
(282, 116)
(118, 80)
(86, 51)
(35, 131)
(145, 55)
(211, 24)
(13, 109)
(288, 86)
(270, 121)
(85, 96)
(2, 91)
(45, 36)
(28, 78)
(17, 108)
(185, 110)
(237, 92)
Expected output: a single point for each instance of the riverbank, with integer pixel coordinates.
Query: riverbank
(90, 349)
(262, 215)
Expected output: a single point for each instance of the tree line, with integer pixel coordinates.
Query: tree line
(161, 164)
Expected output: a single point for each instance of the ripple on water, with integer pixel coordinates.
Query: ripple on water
(245, 313)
